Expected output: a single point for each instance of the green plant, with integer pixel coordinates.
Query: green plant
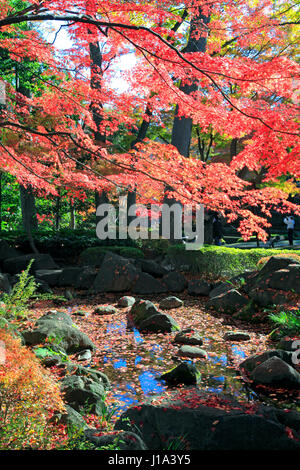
(288, 322)
(219, 261)
(16, 301)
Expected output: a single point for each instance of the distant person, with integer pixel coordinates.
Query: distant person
(290, 224)
(217, 230)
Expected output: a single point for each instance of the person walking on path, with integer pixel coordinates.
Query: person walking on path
(217, 230)
(290, 224)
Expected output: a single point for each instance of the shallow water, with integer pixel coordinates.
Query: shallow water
(134, 372)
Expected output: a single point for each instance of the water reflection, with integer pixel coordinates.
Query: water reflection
(218, 372)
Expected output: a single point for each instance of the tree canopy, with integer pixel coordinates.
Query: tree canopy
(229, 67)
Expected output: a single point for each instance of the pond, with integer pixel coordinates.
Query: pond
(133, 362)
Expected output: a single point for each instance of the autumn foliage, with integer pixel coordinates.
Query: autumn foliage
(246, 88)
(28, 398)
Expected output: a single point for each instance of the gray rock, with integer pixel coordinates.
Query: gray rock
(192, 352)
(126, 301)
(85, 355)
(59, 328)
(170, 302)
(220, 288)
(69, 276)
(116, 274)
(81, 313)
(199, 287)
(105, 310)
(153, 268)
(197, 420)
(251, 362)
(5, 285)
(83, 393)
(287, 279)
(229, 302)
(147, 318)
(50, 276)
(147, 284)
(20, 263)
(70, 418)
(266, 297)
(86, 278)
(175, 281)
(6, 251)
(188, 336)
(236, 336)
(119, 440)
(184, 373)
(289, 344)
(275, 372)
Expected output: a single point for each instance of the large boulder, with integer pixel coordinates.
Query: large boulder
(199, 287)
(50, 276)
(153, 268)
(116, 274)
(147, 284)
(59, 328)
(276, 373)
(5, 285)
(261, 279)
(197, 420)
(220, 288)
(69, 276)
(147, 318)
(86, 277)
(83, 393)
(7, 251)
(248, 365)
(287, 279)
(266, 297)
(20, 263)
(175, 281)
(228, 302)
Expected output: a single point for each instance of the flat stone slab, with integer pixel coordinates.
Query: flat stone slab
(236, 336)
(192, 352)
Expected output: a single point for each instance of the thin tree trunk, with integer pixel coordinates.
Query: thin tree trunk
(73, 215)
(29, 217)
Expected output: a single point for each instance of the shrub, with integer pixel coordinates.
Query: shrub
(16, 301)
(63, 243)
(94, 255)
(219, 261)
(28, 398)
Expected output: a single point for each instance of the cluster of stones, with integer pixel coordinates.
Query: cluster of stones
(243, 295)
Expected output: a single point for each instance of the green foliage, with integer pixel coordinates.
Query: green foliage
(63, 243)
(154, 247)
(287, 322)
(218, 261)
(94, 253)
(17, 300)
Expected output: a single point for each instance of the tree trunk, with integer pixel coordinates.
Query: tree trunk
(29, 217)
(182, 126)
(73, 215)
